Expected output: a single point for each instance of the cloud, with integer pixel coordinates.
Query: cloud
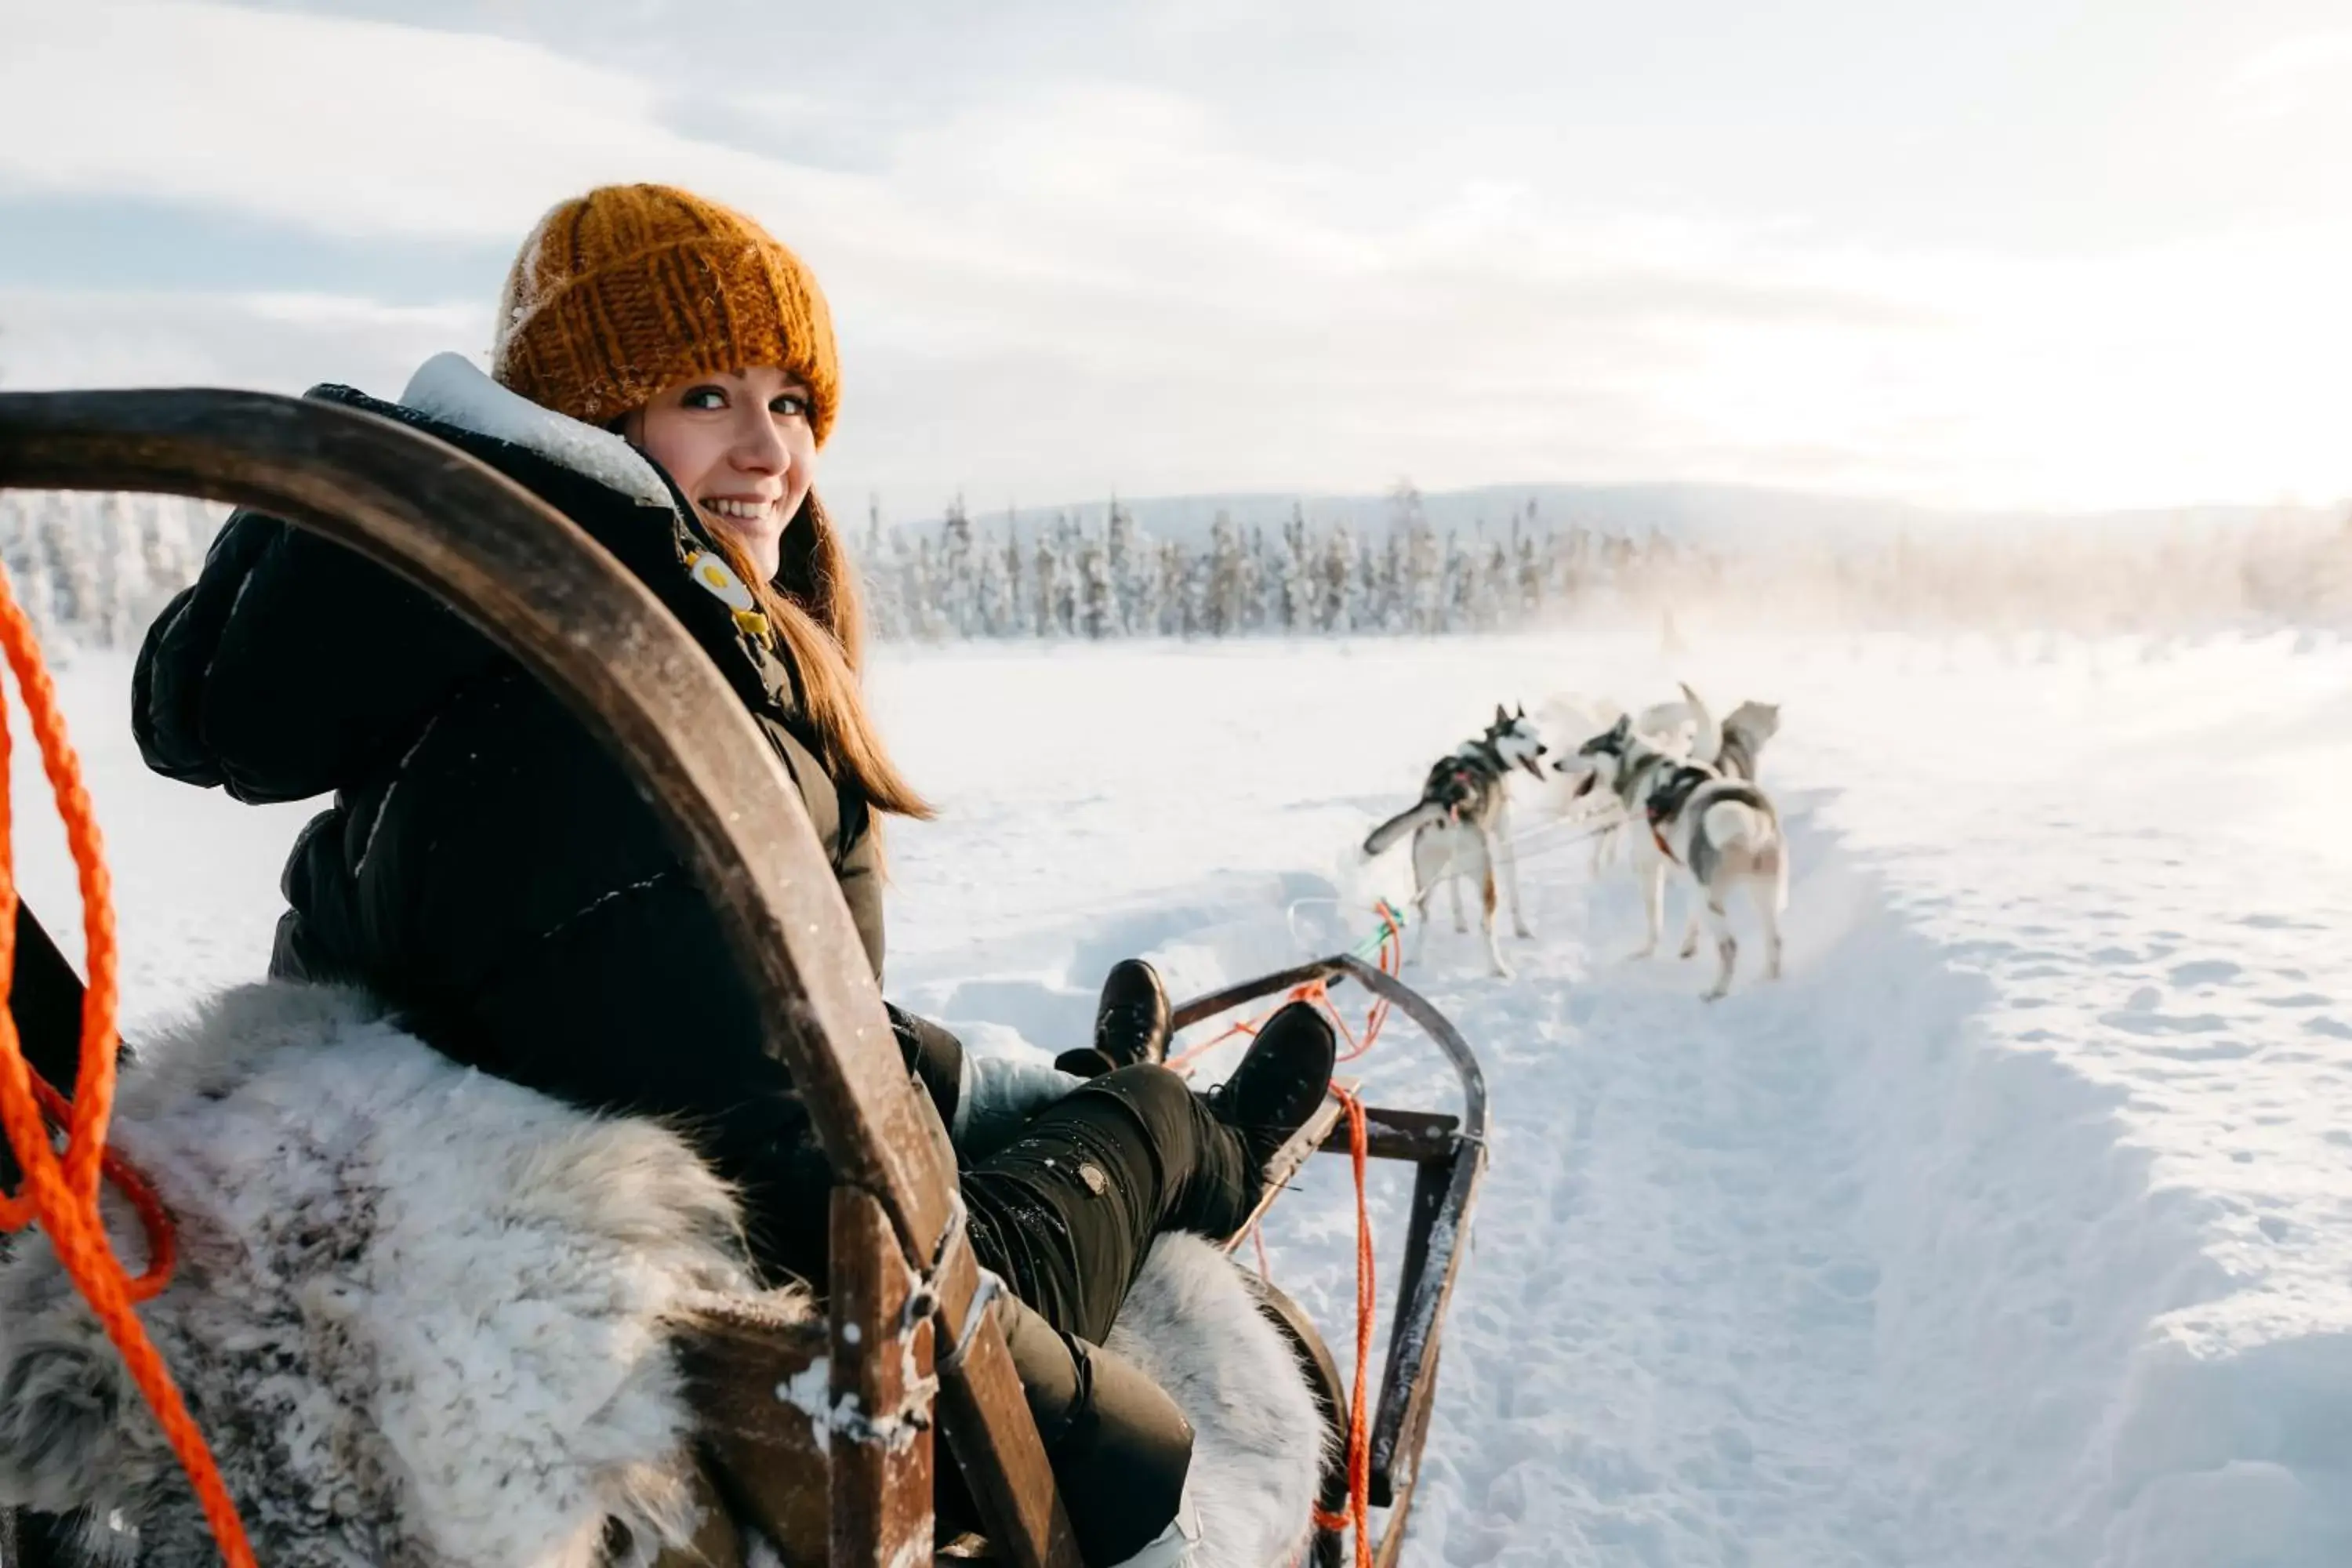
(354, 128)
(1094, 283)
(2305, 55)
(2290, 76)
(278, 342)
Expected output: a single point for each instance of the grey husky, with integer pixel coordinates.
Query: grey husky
(1724, 831)
(1462, 827)
(1745, 731)
(1625, 762)
(1714, 824)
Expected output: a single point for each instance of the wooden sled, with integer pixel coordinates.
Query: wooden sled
(901, 1335)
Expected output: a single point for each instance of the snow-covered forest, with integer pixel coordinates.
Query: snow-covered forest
(96, 568)
(1058, 577)
(93, 570)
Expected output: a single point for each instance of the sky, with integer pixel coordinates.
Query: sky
(2012, 253)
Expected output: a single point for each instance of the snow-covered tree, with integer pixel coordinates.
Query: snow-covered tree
(1221, 610)
(1099, 609)
(1046, 585)
(1335, 583)
(1298, 593)
(1131, 575)
(959, 573)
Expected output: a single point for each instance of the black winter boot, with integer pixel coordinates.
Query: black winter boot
(1279, 1082)
(1130, 1023)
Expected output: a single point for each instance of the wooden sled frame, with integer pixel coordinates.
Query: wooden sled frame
(907, 1343)
(1449, 1158)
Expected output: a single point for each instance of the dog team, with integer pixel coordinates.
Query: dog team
(1676, 786)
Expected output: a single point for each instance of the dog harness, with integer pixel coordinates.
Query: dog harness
(1456, 781)
(1673, 793)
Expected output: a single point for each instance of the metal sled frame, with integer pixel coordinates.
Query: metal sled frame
(1449, 1158)
(907, 1346)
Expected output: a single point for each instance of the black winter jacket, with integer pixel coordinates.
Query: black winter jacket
(486, 868)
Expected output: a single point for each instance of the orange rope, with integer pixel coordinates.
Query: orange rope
(62, 1194)
(1360, 1438)
(1360, 1442)
(1390, 961)
(1249, 1026)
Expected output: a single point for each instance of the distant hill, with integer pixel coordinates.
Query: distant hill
(1698, 513)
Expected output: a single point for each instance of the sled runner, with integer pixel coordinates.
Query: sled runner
(816, 1424)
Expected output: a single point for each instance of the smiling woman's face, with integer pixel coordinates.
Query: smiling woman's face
(739, 443)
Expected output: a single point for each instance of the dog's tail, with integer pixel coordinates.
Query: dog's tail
(1749, 838)
(1402, 823)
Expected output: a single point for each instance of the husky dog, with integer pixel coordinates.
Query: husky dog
(1679, 729)
(1627, 764)
(1746, 730)
(1680, 726)
(1724, 831)
(1565, 800)
(1618, 766)
(1672, 726)
(1462, 827)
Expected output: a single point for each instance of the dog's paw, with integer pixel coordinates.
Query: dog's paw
(1523, 933)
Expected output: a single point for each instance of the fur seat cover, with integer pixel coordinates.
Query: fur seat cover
(425, 1317)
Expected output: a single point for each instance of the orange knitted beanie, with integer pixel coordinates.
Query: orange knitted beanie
(630, 288)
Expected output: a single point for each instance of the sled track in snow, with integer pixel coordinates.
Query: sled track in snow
(1821, 1275)
(1827, 1274)
(1731, 1296)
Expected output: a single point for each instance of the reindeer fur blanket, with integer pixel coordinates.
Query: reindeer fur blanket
(424, 1317)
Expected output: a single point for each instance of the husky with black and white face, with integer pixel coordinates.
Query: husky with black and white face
(1461, 826)
(1612, 773)
(1625, 762)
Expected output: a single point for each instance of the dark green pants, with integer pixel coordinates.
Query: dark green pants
(1065, 1215)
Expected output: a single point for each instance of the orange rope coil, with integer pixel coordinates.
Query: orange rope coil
(61, 1193)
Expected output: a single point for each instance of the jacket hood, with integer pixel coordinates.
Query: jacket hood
(450, 389)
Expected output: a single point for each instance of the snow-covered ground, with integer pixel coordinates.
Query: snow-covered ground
(2013, 1227)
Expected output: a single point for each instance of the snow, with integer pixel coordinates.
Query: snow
(2014, 1227)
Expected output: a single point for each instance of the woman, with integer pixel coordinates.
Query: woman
(664, 374)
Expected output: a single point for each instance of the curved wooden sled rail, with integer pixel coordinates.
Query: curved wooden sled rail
(545, 593)
(1449, 1158)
